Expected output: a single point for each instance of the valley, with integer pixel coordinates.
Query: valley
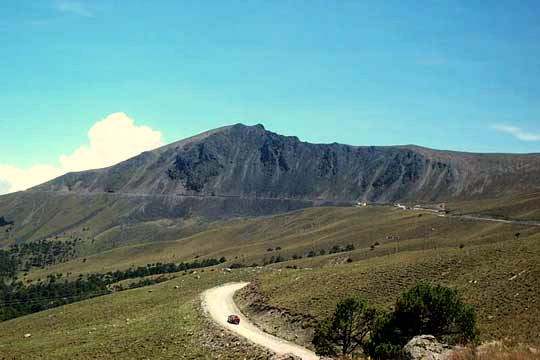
(485, 261)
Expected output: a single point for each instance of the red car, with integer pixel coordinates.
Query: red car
(233, 319)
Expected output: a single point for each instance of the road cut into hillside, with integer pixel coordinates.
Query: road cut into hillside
(219, 304)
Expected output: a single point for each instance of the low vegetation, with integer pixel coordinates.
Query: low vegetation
(161, 321)
(4, 222)
(17, 299)
(37, 254)
(424, 309)
(523, 206)
(346, 330)
(372, 253)
(497, 278)
(300, 233)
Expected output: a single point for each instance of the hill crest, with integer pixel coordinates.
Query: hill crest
(250, 161)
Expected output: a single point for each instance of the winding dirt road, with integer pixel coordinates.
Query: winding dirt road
(218, 303)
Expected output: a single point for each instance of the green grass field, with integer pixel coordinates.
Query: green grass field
(154, 322)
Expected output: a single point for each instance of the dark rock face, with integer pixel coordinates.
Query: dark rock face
(4, 222)
(250, 162)
(196, 167)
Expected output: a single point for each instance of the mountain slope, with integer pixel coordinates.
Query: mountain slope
(238, 171)
(248, 161)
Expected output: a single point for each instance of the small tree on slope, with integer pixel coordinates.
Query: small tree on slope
(423, 310)
(346, 330)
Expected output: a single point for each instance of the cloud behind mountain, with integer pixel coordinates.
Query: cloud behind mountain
(110, 140)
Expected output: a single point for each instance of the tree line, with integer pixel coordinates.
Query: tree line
(17, 299)
(22, 257)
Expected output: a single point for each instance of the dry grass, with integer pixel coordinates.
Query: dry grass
(520, 206)
(296, 233)
(501, 279)
(497, 350)
(494, 270)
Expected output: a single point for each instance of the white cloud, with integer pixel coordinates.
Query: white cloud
(111, 140)
(517, 132)
(73, 7)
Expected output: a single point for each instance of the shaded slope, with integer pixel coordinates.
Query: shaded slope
(116, 216)
(248, 161)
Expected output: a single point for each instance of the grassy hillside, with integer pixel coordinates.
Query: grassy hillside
(501, 279)
(158, 321)
(104, 221)
(101, 221)
(521, 206)
(298, 233)
(393, 249)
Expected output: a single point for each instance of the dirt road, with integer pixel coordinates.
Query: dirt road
(485, 218)
(218, 303)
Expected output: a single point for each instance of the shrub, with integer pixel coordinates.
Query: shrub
(236, 266)
(346, 330)
(424, 309)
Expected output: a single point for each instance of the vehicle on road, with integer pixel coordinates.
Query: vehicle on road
(233, 319)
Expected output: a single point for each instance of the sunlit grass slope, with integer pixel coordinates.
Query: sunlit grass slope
(297, 233)
(501, 279)
(154, 322)
(487, 262)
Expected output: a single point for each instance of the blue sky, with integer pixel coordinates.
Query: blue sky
(461, 75)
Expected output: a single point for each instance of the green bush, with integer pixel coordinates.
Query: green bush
(346, 330)
(424, 309)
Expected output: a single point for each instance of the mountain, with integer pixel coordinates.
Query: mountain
(251, 162)
(239, 170)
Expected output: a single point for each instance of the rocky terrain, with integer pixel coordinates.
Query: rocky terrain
(249, 161)
(245, 171)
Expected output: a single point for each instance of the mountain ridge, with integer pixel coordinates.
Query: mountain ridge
(251, 161)
(247, 171)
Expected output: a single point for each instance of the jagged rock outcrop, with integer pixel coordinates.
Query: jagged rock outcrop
(249, 161)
